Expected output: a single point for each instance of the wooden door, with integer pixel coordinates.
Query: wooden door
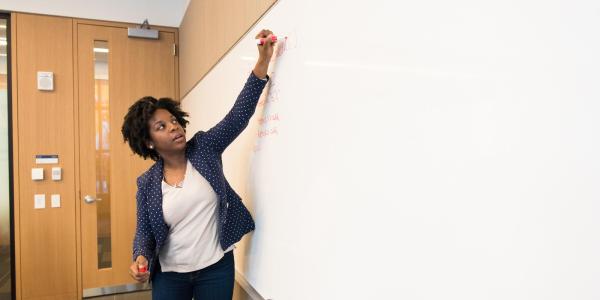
(113, 71)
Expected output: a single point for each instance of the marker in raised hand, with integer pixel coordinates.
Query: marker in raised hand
(261, 41)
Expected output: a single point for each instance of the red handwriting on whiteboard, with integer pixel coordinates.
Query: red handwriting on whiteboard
(272, 93)
(281, 47)
(267, 132)
(269, 118)
(265, 101)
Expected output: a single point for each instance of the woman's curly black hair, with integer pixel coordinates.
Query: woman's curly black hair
(135, 128)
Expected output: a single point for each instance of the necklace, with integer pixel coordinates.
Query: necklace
(178, 184)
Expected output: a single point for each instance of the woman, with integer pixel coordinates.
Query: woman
(188, 216)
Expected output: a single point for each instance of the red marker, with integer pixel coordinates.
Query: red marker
(142, 268)
(261, 41)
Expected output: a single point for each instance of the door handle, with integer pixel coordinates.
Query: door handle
(90, 199)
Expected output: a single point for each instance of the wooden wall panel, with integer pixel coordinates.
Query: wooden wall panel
(45, 125)
(47, 243)
(208, 30)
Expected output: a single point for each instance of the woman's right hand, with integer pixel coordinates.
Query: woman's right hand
(140, 264)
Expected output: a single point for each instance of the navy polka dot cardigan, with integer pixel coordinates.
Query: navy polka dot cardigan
(204, 151)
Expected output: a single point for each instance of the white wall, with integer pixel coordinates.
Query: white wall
(158, 12)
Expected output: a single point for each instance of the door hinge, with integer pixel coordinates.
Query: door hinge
(174, 49)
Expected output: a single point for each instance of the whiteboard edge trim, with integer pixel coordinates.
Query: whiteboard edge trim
(241, 280)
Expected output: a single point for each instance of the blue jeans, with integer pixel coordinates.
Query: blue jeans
(214, 282)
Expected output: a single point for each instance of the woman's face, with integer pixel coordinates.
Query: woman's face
(166, 133)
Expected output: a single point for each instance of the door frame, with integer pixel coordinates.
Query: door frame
(11, 152)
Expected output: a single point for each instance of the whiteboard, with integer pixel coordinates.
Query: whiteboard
(419, 150)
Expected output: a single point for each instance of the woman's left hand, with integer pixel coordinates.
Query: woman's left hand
(266, 49)
(265, 52)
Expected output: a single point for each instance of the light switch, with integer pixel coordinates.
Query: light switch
(56, 173)
(37, 173)
(39, 201)
(45, 81)
(55, 199)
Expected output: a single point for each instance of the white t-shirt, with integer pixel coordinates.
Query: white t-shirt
(190, 209)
